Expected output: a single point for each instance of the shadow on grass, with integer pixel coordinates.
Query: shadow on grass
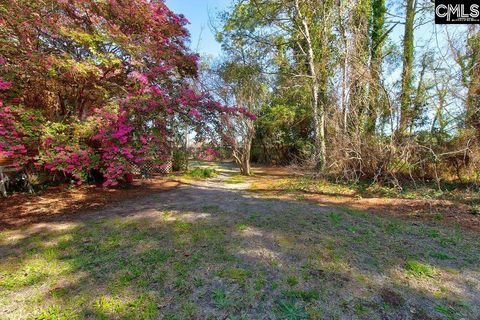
(448, 212)
(205, 252)
(22, 209)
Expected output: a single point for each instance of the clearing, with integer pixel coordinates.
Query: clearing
(231, 247)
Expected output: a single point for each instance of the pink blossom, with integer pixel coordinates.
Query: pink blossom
(140, 77)
(156, 90)
(195, 113)
(5, 85)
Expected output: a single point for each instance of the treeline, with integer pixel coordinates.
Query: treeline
(360, 89)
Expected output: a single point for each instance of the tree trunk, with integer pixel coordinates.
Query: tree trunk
(359, 57)
(247, 149)
(344, 66)
(243, 163)
(319, 129)
(345, 88)
(242, 155)
(377, 37)
(407, 72)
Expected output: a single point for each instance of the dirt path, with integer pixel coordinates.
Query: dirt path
(192, 197)
(225, 191)
(89, 202)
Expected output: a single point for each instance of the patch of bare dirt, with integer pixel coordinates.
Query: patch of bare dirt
(22, 209)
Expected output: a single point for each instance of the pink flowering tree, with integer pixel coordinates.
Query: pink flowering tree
(208, 154)
(108, 79)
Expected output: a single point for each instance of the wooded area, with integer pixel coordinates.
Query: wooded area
(356, 89)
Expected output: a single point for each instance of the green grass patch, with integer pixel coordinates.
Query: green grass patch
(155, 256)
(418, 269)
(107, 307)
(290, 310)
(305, 295)
(367, 189)
(236, 179)
(360, 309)
(335, 217)
(56, 313)
(181, 226)
(202, 173)
(292, 281)
(260, 283)
(449, 312)
(238, 275)
(242, 227)
(34, 272)
(220, 298)
(393, 228)
(433, 233)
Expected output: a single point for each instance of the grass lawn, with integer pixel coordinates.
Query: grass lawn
(226, 254)
(461, 193)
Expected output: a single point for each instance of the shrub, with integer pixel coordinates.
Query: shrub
(202, 173)
(179, 160)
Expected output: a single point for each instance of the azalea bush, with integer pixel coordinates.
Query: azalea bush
(19, 129)
(11, 139)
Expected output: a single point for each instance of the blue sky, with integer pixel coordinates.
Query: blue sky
(199, 13)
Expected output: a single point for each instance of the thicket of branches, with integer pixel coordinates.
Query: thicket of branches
(360, 89)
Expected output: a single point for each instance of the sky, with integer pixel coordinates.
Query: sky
(200, 13)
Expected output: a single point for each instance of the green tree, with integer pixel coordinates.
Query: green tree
(378, 35)
(305, 28)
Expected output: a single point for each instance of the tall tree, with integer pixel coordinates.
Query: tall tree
(359, 61)
(378, 35)
(315, 27)
(243, 86)
(407, 71)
